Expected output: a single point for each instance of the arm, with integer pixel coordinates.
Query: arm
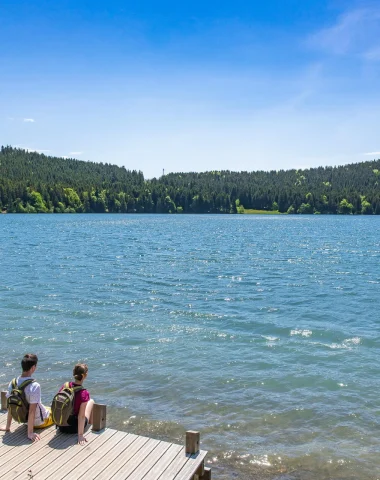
(32, 412)
(7, 427)
(81, 420)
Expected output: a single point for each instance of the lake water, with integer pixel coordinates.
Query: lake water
(262, 332)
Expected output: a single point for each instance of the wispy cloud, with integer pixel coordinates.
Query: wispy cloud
(28, 120)
(76, 153)
(354, 32)
(31, 149)
(371, 154)
(373, 54)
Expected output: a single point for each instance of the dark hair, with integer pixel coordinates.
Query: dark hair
(80, 370)
(29, 361)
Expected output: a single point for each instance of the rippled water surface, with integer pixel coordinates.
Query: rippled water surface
(260, 331)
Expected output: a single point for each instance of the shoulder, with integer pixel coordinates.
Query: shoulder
(34, 387)
(12, 382)
(84, 395)
(33, 391)
(10, 387)
(31, 387)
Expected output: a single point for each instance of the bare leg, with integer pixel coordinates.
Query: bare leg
(88, 412)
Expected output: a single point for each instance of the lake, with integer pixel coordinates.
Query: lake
(262, 332)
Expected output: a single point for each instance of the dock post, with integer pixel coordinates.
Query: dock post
(192, 447)
(206, 475)
(192, 442)
(99, 417)
(3, 400)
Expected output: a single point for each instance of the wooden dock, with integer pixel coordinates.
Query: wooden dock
(108, 454)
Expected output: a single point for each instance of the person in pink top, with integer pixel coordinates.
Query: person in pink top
(82, 414)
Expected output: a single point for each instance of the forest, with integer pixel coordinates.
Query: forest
(35, 183)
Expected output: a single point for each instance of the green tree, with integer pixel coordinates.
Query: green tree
(36, 202)
(239, 207)
(72, 199)
(366, 208)
(345, 207)
(305, 208)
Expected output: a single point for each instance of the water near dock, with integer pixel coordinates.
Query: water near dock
(262, 332)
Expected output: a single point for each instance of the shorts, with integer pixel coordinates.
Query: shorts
(48, 422)
(72, 426)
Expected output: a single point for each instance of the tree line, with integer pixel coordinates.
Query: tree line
(36, 183)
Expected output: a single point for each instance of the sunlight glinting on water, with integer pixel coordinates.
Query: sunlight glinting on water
(260, 332)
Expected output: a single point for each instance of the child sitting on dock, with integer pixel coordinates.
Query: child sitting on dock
(24, 400)
(82, 405)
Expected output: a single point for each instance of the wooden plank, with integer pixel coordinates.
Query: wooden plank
(135, 461)
(47, 454)
(3, 417)
(68, 458)
(175, 466)
(149, 461)
(14, 425)
(114, 467)
(12, 457)
(167, 458)
(94, 457)
(201, 469)
(112, 456)
(14, 438)
(206, 475)
(190, 468)
(53, 454)
(22, 443)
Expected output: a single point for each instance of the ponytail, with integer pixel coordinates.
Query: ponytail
(80, 370)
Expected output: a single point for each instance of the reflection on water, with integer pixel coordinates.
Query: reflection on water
(261, 332)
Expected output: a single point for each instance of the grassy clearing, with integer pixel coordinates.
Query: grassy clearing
(262, 212)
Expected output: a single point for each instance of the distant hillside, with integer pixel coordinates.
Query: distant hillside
(31, 168)
(35, 183)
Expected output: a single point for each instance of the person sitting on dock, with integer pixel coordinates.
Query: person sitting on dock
(82, 405)
(24, 400)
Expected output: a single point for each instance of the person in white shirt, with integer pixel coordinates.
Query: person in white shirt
(39, 416)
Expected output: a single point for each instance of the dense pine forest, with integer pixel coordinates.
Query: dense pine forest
(35, 183)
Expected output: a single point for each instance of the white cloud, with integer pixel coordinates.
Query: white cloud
(355, 32)
(29, 120)
(370, 154)
(76, 153)
(31, 149)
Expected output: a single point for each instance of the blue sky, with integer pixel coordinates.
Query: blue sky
(192, 86)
